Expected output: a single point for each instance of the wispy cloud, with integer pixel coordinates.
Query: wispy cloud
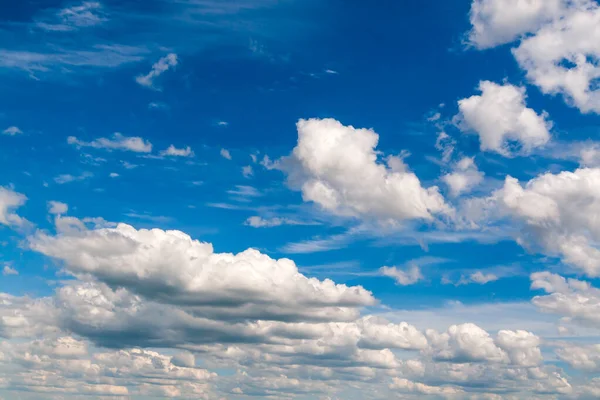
(160, 67)
(84, 15)
(118, 142)
(260, 222)
(68, 178)
(245, 191)
(61, 59)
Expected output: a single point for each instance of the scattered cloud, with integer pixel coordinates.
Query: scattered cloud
(56, 207)
(260, 222)
(160, 67)
(68, 178)
(247, 171)
(500, 117)
(175, 152)
(225, 154)
(464, 178)
(403, 277)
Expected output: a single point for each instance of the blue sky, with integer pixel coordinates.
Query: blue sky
(441, 160)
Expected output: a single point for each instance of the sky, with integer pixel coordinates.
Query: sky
(329, 200)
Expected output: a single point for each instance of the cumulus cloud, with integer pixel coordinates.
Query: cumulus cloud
(337, 167)
(225, 154)
(160, 67)
(9, 201)
(470, 343)
(558, 46)
(497, 22)
(406, 277)
(500, 116)
(56, 207)
(574, 300)
(175, 152)
(405, 385)
(464, 177)
(122, 257)
(561, 57)
(117, 142)
(559, 214)
(247, 171)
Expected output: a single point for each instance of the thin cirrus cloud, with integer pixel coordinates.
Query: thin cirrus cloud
(117, 142)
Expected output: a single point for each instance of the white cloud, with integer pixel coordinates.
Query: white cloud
(407, 386)
(56, 207)
(558, 48)
(410, 276)
(8, 270)
(561, 57)
(121, 256)
(500, 116)
(480, 278)
(586, 358)
(559, 214)
(573, 299)
(336, 167)
(118, 142)
(464, 178)
(161, 66)
(175, 152)
(114, 175)
(496, 22)
(225, 154)
(9, 201)
(469, 343)
(12, 131)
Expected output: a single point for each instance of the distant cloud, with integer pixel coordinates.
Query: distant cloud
(118, 142)
(225, 154)
(56, 207)
(175, 152)
(245, 191)
(9, 201)
(12, 131)
(114, 175)
(7, 270)
(247, 171)
(68, 178)
(160, 67)
(259, 222)
(222, 123)
(85, 15)
(331, 72)
(403, 277)
(158, 105)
